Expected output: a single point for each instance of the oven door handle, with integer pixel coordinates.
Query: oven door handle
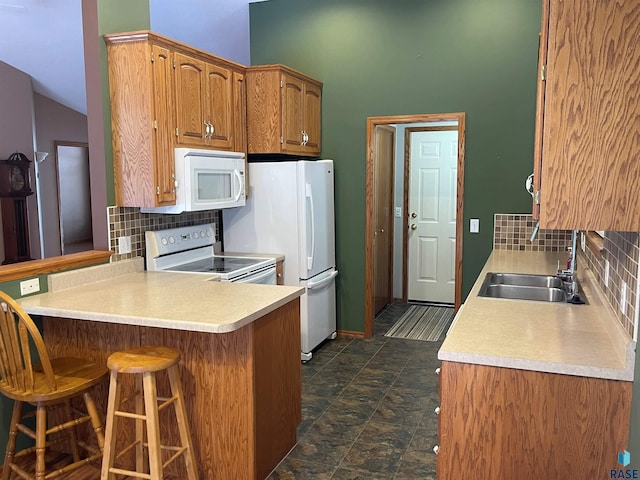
(253, 278)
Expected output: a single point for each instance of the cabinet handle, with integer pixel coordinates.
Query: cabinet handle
(212, 129)
(438, 371)
(437, 411)
(206, 129)
(306, 138)
(436, 449)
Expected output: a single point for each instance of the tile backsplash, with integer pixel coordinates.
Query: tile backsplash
(130, 222)
(513, 232)
(621, 250)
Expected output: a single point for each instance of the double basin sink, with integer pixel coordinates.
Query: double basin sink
(519, 286)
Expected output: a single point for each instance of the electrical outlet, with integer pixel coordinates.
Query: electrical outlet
(29, 286)
(474, 225)
(124, 245)
(606, 273)
(398, 212)
(623, 298)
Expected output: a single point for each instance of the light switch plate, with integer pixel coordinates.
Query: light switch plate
(583, 243)
(474, 225)
(623, 298)
(398, 212)
(606, 273)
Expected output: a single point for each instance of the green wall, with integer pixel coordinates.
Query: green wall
(378, 57)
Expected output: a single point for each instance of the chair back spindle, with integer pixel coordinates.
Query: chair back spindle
(17, 333)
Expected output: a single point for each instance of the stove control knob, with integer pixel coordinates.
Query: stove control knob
(163, 240)
(172, 240)
(203, 234)
(195, 235)
(208, 233)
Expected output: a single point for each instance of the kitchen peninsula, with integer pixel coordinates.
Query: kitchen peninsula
(240, 347)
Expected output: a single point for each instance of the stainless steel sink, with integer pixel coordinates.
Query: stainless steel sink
(517, 286)
(525, 280)
(524, 292)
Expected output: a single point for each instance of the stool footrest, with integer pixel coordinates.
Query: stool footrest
(129, 473)
(179, 451)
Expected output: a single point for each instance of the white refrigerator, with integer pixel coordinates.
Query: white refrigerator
(290, 211)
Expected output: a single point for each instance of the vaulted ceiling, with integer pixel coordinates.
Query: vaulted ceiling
(43, 38)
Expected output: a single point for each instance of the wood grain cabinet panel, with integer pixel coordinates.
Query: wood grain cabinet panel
(503, 423)
(283, 111)
(589, 115)
(166, 94)
(142, 115)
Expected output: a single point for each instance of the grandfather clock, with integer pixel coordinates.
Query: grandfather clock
(15, 187)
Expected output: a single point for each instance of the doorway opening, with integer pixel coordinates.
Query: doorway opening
(444, 122)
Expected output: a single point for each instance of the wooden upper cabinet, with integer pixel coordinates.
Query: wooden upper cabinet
(283, 111)
(163, 94)
(204, 101)
(190, 108)
(590, 116)
(142, 106)
(162, 68)
(219, 103)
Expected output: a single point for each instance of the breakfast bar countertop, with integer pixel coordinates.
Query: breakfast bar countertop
(123, 292)
(584, 340)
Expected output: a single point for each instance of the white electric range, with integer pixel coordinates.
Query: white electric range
(191, 250)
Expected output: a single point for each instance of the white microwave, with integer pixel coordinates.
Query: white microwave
(206, 180)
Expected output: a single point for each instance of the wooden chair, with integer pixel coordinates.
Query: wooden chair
(145, 362)
(43, 383)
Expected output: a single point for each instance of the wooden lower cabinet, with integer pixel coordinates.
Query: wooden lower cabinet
(242, 389)
(505, 424)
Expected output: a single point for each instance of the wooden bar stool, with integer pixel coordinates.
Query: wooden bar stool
(145, 362)
(47, 384)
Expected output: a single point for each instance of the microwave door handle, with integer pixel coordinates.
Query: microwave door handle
(236, 172)
(309, 194)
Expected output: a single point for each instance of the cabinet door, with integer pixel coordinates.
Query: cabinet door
(590, 147)
(190, 108)
(162, 73)
(219, 114)
(312, 116)
(292, 114)
(240, 114)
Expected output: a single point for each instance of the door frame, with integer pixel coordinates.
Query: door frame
(372, 122)
(407, 178)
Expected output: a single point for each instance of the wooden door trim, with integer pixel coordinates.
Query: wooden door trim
(372, 122)
(407, 174)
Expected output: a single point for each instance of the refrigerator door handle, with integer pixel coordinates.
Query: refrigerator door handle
(324, 281)
(309, 195)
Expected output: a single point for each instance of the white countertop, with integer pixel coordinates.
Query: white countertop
(583, 340)
(122, 292)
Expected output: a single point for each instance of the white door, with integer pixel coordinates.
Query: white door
(432, 216)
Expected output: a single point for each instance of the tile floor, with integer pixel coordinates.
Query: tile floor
(368, 409)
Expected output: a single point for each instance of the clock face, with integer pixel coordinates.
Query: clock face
(17, 179)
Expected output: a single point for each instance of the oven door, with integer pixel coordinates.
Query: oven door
(265, 277)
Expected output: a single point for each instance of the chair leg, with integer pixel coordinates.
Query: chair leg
(11, 442)
(96, 423)
(153, 425)
(41, 441)
(109, 451)
(183, 423)
(72, 431)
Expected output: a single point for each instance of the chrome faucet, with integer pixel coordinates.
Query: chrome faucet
(568, 274)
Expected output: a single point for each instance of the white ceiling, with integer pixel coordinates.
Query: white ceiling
(43, 38)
